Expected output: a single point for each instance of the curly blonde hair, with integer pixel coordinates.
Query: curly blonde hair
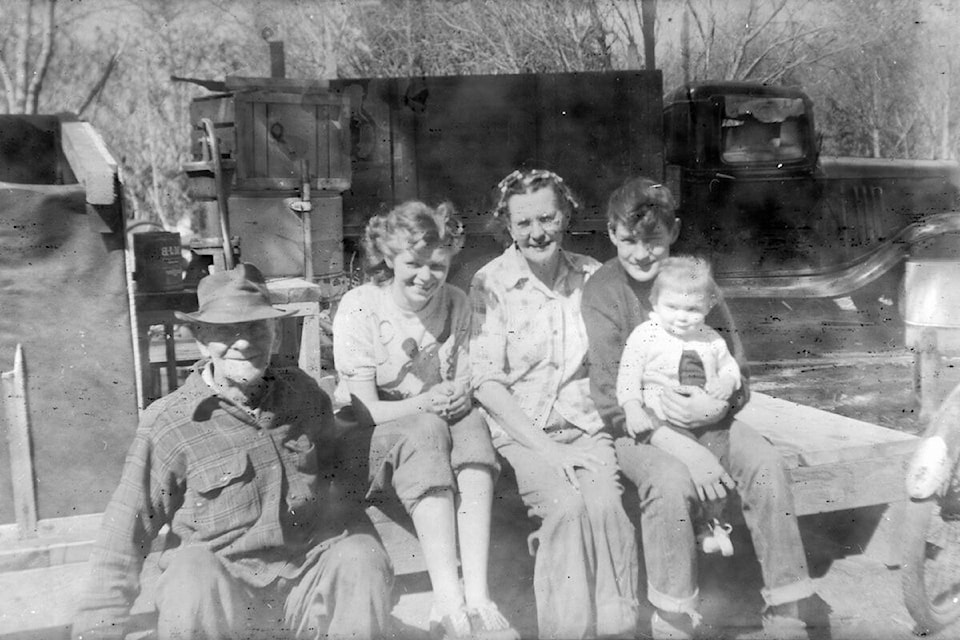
(413, 226)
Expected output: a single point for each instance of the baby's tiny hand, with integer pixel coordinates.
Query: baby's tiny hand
(720, 388)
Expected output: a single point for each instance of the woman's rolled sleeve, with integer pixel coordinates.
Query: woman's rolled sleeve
(353, 350)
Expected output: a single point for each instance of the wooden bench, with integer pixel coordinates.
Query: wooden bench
(835, 464)
(838, 463)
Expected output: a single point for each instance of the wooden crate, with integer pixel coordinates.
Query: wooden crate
(276, 130)
(268, 126)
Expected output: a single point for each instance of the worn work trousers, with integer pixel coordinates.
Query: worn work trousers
(669, 506)
(586, 567)
(345, 594)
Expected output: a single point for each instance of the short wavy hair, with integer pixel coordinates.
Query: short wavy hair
(687, 274)
(528, 181)
(414, 226)
(641, 204)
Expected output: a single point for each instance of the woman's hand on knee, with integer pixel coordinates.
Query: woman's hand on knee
(566, 460)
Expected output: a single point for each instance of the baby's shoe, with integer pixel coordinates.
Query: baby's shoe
(718, 539)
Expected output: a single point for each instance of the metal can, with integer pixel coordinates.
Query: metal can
(157, 260)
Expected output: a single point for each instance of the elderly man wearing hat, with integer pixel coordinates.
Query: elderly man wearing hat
(240, 463)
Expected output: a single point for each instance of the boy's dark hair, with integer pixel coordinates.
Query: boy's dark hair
(639, 205)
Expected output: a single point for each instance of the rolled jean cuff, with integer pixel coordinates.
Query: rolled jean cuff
(799, 590)
(672, 604)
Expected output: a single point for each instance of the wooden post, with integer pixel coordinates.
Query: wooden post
(928, 370)
(21, 451)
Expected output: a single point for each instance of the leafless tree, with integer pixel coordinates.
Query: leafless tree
(26, 52)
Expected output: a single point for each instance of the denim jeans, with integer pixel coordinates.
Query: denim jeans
(346, 593)
(669, 506)
(586, 566)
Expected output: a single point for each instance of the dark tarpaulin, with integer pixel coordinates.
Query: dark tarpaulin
(63, 296)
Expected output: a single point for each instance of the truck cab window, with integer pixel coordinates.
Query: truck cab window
(762, 130)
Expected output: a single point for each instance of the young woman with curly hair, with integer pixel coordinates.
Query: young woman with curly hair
(400, 346)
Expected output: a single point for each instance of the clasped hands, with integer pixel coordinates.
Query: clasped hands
(450, 400)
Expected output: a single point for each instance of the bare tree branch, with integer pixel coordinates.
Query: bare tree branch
(97, 88)
(805, 61)
(779, 44)
(8, 88)
(21, 64)
(32, 97)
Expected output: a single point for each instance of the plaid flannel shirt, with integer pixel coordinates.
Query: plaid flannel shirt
(531, 338)
(255, 489)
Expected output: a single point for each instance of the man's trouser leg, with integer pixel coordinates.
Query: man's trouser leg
(346, 594)
(198, 599)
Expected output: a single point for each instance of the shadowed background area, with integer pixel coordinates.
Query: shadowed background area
(63, 297)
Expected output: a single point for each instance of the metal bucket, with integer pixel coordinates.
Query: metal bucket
(157, 261)
(932, 302)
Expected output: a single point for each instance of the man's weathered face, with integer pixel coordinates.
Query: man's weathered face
(240, 352)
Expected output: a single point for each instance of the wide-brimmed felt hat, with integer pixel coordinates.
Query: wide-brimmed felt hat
(237, 295)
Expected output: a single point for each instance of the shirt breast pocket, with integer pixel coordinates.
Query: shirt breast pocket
(303, 469)
(225, 495)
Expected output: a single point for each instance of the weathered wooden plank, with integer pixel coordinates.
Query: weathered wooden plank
(68, 527)
(90, 161)
(45, 554)
(811, 437)
(21, 450)
(292, 290)
(849, 484)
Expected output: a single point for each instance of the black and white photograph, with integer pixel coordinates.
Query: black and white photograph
(479, 319)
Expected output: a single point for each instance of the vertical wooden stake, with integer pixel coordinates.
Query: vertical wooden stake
(21, 450)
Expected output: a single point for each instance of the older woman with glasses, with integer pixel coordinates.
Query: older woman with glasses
(528, 365)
